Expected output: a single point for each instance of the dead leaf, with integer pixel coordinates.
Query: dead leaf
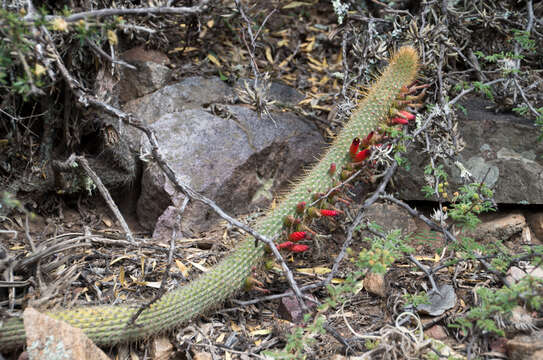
(318, 270)
(269, 56)
(184, 270)
(295, 4)
(260, 332)
(214, 60)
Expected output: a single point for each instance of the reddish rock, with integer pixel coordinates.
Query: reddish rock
(436, 332)
(290, 309)
(535, 221)
(498, 227)
(525, 346)
(375, 284)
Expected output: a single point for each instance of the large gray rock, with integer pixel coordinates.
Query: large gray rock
(503, 145)
(240, 160)
(189, 93)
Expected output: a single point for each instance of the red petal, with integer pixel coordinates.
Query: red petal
(361, 156)
(325, 212)
(297, 236)
(366, 141)
(406, 114)
(354, 147)
(332, 169)
(299, 248)
(399, 120)
(285, 245)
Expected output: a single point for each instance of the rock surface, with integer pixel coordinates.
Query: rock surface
(236, 158)
(524, 346)
(535, 221)
(497, 227)
(151, 74)
(504, 145)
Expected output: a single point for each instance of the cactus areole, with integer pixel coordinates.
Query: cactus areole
(111, 324)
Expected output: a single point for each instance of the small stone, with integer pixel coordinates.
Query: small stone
(439, 302)
(514, 274)
(202, 356)
(437, 332)
(375, 284)
(524, 346)
(161, 348)
(500, 228)
(290, 309)
(535, 221)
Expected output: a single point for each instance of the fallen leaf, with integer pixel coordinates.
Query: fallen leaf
(107, 221)
(184, 270)
(269, 56)
(119, 259)
(260, 332)
(234, 326)
(214, 60)
(318, 270)
(295, 4)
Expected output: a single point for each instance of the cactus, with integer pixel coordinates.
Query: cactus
(111, 324)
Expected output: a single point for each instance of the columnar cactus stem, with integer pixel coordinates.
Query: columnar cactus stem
(111, 324)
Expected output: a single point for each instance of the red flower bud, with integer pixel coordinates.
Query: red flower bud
(332, 169)
(325, 212)
(361, 156)
(285, 245)
(299, 248)
(300, 207)
(367, 140)
(297, 236)
(399, 120)
(354, 147)
(406, 114)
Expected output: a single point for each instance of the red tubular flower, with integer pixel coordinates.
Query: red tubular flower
(332, 169)
(367, 140)
(297, 236)
(285, 245)
(354, 147)
(399, 120)
(405, 114)
(361, 156)
(300, 207)
(299, 248)
(325, 212)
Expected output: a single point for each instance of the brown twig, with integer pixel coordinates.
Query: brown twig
(101, 52)
(105, 194)
(146, 11)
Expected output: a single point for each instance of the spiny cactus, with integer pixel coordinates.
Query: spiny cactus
(111, 324)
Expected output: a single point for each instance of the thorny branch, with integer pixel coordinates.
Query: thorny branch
(146, 11)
